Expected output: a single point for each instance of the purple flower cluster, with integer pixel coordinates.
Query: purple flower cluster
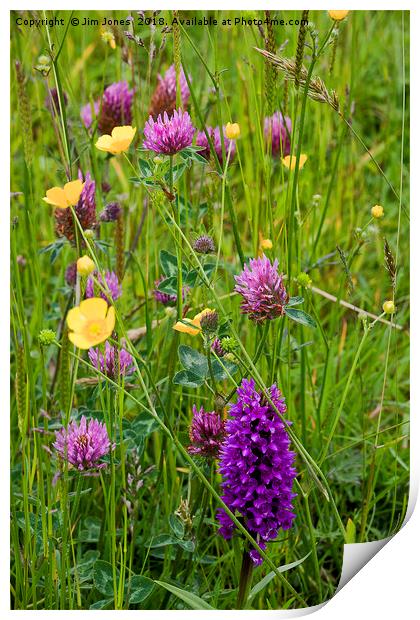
(85, 211)
(82, 445)
(113, 362)
(167, 136)
(261, 286)
(113, 110)
(256, 464)
(214, 135)
(216, 346)
(164, 97)
(112, 283)
(280, 128)
(111, 212)
(166, 298)
(207, 432)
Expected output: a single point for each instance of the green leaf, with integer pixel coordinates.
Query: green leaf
(266, 580)
(177, 526)
(194, 156)
(192, 600)
(163, 540)
(350, 532)
(190, 278)
(193, 360)
(294, 301)
(102, 603)
(169, 285)
(102, 577)
(208, 269)
(144, 167)
(188, 545)
(187, 379)
(140, 588)
(169, 263)
(218, 367)
(300, 317)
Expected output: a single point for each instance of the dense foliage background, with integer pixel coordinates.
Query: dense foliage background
(111, 540)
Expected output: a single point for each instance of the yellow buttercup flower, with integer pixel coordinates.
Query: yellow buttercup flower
(233, 131)
(64, 197)
(90, 323)
(338, 15)
(108, 37)
(119, 140)
(290, 161)
(377, 211)
(191, 326)
(264, 244)
(388, 307)
(85, 265)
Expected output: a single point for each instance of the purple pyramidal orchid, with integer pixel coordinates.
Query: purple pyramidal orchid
(256, 464)
(84, 444)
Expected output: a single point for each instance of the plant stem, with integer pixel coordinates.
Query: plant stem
(244, 578)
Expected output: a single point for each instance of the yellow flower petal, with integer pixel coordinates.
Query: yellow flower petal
(104, 143)
(75, 320)
(338, 15)
(56, 196)
(73, 189)
(196, 320)
(126, 132)
(81, 341)
(94, 308)
(181, 326)
(290, 161)
(110, 320)
(119, 140)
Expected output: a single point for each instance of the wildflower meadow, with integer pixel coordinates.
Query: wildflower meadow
(210, 304)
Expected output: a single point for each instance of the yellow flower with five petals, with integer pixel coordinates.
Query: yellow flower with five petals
(290, 161)
(90, 323)
(64, 197)
(119, 140)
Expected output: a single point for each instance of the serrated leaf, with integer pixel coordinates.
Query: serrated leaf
(300, 317)
(187, 379)
(266, 580)
(140, 588)
(102, 577)
(294, 301)
(193, 361)
(192, 600)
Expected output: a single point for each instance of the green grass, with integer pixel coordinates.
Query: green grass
(74, 542)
